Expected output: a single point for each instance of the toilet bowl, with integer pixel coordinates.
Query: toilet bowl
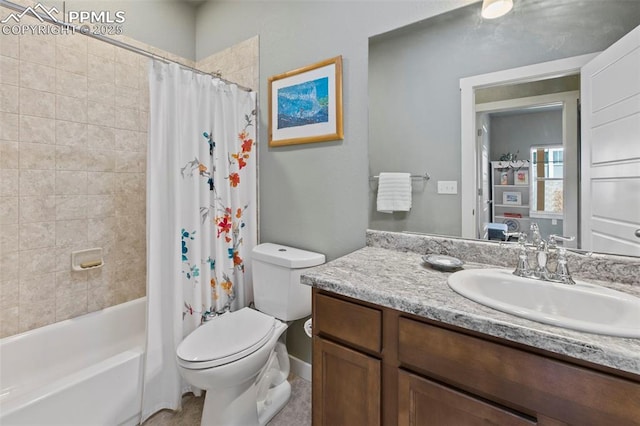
(229, 368)
(239, 358)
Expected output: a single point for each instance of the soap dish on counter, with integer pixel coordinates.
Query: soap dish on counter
(442, 262)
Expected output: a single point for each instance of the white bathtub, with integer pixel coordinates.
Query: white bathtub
(83, 371)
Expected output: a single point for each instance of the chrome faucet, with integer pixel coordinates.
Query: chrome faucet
(542, 249)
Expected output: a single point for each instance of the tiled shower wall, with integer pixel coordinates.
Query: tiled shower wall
(73, 140)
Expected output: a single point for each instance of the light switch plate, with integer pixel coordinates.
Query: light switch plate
(447, 187)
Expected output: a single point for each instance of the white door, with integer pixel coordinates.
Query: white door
(484, 200)
(610, 206)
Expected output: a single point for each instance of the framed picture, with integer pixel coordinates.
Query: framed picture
(305, 105)
(513, 198)
(521, 177)
(504, 178)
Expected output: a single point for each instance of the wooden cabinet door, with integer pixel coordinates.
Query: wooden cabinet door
(346, 386)
(423, 402)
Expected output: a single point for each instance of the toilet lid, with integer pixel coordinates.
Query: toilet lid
(227, 338)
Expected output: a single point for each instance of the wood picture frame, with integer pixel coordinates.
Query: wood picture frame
(305, 105)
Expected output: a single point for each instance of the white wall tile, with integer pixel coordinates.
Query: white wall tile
(38, 103)
(9, 242)
(37, 76)
(38, 48)
(71, 207)
(8, 210)
(37, 129)
(38, 261)
(101, 160)
(9, 126)
(71, 182)
(71, 158)
(9, 269)
(9, 70)
(9, 294)
(101, 183)
(37, 235)
(101, 205)
(37, 208)
(101, 49)
(68, 59)
(10, 45)
(70, 84)
(101, 137)
(127, 118)
(9, 98)
(9, 155)
(71, 133)
(37, 183)
(100, 91)
(100, 114)
(71, 109)
(101, 69)
(126, 75)
(37, 156)
(9, 182)
(70, 232)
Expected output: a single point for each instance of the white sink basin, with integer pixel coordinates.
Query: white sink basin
(583, 306)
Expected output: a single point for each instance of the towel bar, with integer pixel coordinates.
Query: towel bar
(425, 176)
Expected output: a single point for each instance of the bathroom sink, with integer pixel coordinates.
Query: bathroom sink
(583, 306)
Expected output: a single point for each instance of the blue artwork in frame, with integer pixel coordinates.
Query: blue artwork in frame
(305, 105)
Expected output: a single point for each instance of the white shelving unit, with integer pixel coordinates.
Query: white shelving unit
(510, 194)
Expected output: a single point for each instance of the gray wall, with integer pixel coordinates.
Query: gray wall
(414, 75)
(518, 132)
(169, 25)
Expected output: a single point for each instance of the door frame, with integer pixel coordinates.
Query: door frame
(468, 149)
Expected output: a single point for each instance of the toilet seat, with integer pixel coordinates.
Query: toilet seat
(225, 339)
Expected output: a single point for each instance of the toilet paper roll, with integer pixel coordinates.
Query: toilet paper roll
(307, 327)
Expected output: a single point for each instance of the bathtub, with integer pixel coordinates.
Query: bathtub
(82, 371)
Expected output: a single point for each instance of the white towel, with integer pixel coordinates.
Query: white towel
(394, 192)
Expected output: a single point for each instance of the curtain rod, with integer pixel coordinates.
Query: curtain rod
(117, 43)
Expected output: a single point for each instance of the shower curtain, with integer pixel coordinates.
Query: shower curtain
(201, 215)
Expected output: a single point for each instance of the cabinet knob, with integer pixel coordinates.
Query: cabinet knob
(637, 233)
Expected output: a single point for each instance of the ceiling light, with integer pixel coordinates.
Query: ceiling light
(492, 9)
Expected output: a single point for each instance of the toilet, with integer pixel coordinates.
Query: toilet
(240, 357)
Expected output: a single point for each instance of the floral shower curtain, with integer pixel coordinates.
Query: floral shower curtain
(201, 215)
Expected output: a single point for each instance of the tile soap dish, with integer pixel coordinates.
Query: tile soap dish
(442, 262)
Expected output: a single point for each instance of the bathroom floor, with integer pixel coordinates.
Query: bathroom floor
(297, 412)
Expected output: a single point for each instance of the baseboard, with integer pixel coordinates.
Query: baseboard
(300, 368)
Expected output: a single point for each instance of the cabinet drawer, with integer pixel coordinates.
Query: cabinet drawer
(518, 379)
(423, 402)
(354, 324)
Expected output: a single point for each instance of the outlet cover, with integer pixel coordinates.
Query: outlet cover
(447, 187)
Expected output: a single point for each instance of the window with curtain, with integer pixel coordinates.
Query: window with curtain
(547, 183)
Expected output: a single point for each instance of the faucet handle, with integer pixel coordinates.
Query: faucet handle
(562, 273)
(553, 239)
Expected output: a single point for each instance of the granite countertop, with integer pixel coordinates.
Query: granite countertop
(401, 281)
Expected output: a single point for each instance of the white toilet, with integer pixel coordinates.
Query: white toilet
(240, 358)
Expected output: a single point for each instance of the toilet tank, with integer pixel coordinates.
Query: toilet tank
(276, 280)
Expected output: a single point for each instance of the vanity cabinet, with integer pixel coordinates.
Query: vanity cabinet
(346, 363)
(375, 365)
